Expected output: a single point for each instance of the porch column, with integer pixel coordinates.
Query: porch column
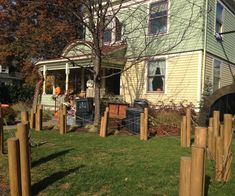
(44, 77)
(67, 71)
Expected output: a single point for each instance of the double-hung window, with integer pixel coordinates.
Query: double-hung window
(113, 30)
(156, 75)
(216, 74)
(108, 30)
(158, 17)
(219, 18)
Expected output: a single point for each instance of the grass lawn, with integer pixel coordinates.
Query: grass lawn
(85, 164)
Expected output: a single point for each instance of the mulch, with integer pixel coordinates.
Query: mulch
(4, 187)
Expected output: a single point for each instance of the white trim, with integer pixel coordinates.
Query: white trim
(42, 62)
(66, 77)
(44, 81)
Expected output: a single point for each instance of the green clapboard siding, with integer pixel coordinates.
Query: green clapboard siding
(226, 49)
(185, 24)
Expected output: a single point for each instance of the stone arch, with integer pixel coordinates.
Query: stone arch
(226, 90)
(223, 100)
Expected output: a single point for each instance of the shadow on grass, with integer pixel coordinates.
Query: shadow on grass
(207, 183)
(50, 157)
(44, 183)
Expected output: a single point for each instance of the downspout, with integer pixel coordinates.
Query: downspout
(204, 47)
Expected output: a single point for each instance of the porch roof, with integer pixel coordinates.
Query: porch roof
(78, 55)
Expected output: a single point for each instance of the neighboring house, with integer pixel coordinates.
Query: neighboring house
(167, 48)
(8, 78)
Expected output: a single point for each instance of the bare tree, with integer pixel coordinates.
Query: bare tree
(132, 19)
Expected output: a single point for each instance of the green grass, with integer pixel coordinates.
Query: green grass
(85, 164)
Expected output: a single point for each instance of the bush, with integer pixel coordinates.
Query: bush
(21, 106)
(165, 119)
(14, 93)
(9, 115)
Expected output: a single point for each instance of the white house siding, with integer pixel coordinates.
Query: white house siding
(183, 76)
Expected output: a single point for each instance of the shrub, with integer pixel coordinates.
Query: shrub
(9, 115)
(47, 115)
(19, 107)
(14, 93)
(165, 119)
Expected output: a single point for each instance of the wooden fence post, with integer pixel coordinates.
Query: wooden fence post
(210, 143)
(146, 113)
(197, 171)
(24, 116)
(105, 125)
(62, 119)
(14, 166)
(102, 127)
(142, 126)
(227, 147)
(216, 123)
(38, 126)
(188, 132)
(1, 137)
(211, 122)
(1, 133)
(22, 134)
(219, 159)
(183, 132)
(200, 136)
(185, 176)
(33, 117)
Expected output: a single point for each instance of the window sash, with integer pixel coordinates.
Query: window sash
(156, 76)
(219, 17)
(216, 74)
(158, 17)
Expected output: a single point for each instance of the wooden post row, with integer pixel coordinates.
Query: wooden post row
(22, 134)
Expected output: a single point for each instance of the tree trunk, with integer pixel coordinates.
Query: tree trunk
(97, 67)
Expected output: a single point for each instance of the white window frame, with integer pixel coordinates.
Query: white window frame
(165, 76)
